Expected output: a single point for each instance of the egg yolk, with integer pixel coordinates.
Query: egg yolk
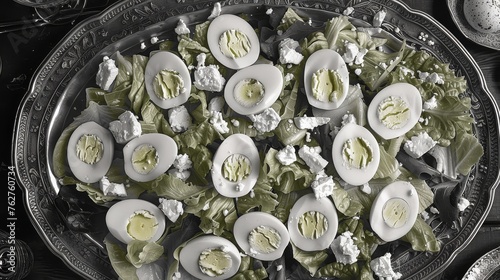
(168, 84)
(214, 262)
(264, 239)
(327, 85)
(249, 92)
(236, 167)
(357, 152)
(396, 212)
(234, 43)
(144, 158)
(89, 148)
(142, 225)
(393, 112)
(312, 225)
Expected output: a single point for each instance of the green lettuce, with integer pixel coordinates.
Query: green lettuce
(286, 178)
(468, 151)
(311, 261)
(171, 187)
(422, 238)
(143, 252)
(118, 259)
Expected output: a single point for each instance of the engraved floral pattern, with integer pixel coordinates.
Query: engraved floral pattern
(120, 23)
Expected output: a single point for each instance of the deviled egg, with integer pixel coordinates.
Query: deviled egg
(326, 79)
(395, 110)
(253, 89)
(233, 41)
(90, 152)
(261, 235)
(210, 257)
(148, 156)
(312, 223)
(167, 80)
(236, 166)
(394, 210)
(356, 154)
(135, 219)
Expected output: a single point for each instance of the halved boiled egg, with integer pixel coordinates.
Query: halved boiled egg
(90, 152)
(236, 166)
(233, 41)
(261, 235)
(148, 156)
(394, 210)
(312, 223)
(326, 79)
(135, 219)
(395, 110)
(356, 154)
(210, 257)
(167, 80)
(253, 89)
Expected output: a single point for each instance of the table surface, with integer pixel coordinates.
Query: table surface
(24, 50)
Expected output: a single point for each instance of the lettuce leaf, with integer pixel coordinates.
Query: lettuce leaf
(138, 95)
(344, 203)
(201, 134)
(172, 188)
(262, 197)
(287, 178)
(468, 151)
(118, 260)
(422, 238)
(143, 252)
(311, 261)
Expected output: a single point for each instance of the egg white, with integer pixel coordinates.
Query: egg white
(305, 204)
(165, 147)
(351, 175)
(406, 92)
(119, 213)
(246, 223)
(190, 255)
(227, 22)
(235, 144)
(398, 189)
(164, 60)
(270, 77)
(90, 173)
(328, 59)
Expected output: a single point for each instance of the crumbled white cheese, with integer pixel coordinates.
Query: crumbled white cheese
(126, 128)
(347, 119)
(351, 51)
(288, 52)
(366, 188)
(344, 249)
(182, 28)
(433, 78)
(269, 11)
(310, 122)
(289, 77)
(348, 11)
(382, 267)
(266, 121)
(235, 122)
(112, 189)
(322, 185)
(182, 162)
(106, 74)
(218, 122)
(434, 210)
(176, 276)
(171, 208)
(216, 10)
(208, 77)
(143, 45)
(179, 118)
(379, 17)
(216, 104)
(279, 267)
(430, 104)
(407, 71)
(286, 156)
(312, 158)
(154, 40)
(419, 145)
(463, 203)
(425, 215)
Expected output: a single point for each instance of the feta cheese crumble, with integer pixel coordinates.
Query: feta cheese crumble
(310, 122)
(322, 185)
(463, 203)
(266, 121)
(208, 77)
(106, 74)
(344, 249)
(181, 28)
(419, 144)
(112, 189)
(288, 52)
(126, 128)
(312, 158)
(286, 156)
(216, 10)
(171, 208)
(179, 118)
(382, 267)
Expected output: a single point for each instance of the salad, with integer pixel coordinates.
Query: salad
(267, 146)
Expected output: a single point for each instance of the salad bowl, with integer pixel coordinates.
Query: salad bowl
(57, 95)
